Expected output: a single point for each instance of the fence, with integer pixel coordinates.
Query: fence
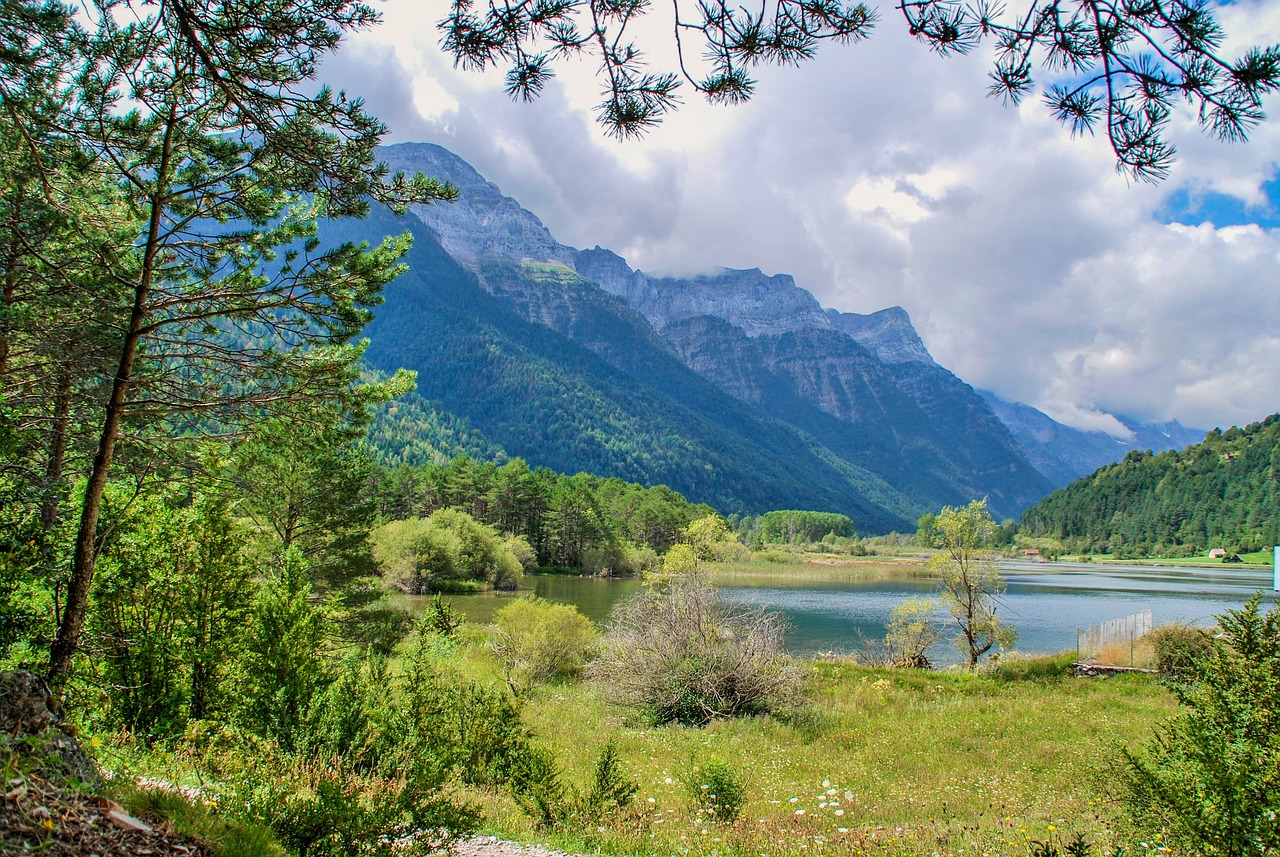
(1091, 641)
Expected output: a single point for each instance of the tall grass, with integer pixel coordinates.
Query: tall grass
(886, 761)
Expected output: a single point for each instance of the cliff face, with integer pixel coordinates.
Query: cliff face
(861, 391)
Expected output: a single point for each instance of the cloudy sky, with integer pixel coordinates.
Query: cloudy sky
(881, 174)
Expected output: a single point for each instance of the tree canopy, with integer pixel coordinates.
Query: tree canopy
(1120, 67)
(165, 166)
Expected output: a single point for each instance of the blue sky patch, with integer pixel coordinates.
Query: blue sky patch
(1195, 207)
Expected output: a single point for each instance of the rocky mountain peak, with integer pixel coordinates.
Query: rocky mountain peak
(888, 334)
(482, 223)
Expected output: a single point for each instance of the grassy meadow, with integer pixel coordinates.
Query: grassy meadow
(877, 762)
(882, 761)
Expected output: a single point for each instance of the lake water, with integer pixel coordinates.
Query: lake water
(1045, 603)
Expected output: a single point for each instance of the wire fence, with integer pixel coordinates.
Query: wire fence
(1113, 637)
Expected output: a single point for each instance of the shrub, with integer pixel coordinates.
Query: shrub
(326, 807)
(913, 628)
(448, 551)
(538, 641)
(540, 790)
(441, 618)
(718, 791)
(1207, 780)
(1178, 648)
(680, 655)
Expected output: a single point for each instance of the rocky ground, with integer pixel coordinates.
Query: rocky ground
(491, 846)
(42, 818)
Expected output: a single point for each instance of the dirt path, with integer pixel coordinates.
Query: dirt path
(492, 846)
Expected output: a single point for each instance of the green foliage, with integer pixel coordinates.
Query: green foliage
(441, 618)
(711, 539)
(718, 791)
(537, 641)
(1207, 781)
(970, 585)
(282, 668)
(450, 550)
(911, 631)
(1219, 493)
(174, 592)
(541, 790)
(680, 655)
(1179, 649)
(680, 561)
(791, 527)
(325, 805)
(471, 729)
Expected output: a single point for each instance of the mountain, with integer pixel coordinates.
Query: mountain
(735, 388)
(1064, 454)
(1222, 492)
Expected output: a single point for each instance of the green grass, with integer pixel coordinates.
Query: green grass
(228, 837)
(884, 761)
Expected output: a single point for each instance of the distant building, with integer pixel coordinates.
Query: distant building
(1217, 553)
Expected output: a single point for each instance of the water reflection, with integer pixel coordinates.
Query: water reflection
(1045, 605)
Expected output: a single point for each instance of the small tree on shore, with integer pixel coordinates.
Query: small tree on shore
(913, 628)
(970, 584)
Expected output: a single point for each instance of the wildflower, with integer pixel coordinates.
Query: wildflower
(48, 824)
(826, 784)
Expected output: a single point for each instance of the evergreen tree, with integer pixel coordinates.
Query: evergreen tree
(1128, 63)
(228, 310)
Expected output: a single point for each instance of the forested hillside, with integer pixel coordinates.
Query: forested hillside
(1223, 492)
(525, 389)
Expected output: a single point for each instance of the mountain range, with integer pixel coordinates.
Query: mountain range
(735, 388)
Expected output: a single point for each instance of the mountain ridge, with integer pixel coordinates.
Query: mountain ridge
(873, 422)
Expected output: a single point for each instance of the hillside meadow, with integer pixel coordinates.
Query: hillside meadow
(880, 761)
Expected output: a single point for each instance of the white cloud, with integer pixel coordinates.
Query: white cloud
(879, 174)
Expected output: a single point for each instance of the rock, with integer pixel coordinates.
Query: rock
(27, 710)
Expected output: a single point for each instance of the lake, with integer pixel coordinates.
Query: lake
(1045, 602)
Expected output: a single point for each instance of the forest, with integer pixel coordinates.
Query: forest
(1221, 493)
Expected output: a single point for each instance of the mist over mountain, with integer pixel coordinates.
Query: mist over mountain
(735, 388)
(1064, 454)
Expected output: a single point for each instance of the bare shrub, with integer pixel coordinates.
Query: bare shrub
(681, 655)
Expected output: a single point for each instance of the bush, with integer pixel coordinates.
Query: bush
(913, 628)
(540, 790)
(1207, 782)
(717, 791)
(441, 618)
(537, 641)
(449, 551)
(680, 655)
(1178, 648)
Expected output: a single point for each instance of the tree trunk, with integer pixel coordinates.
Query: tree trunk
(85, 555)
(56, 461)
